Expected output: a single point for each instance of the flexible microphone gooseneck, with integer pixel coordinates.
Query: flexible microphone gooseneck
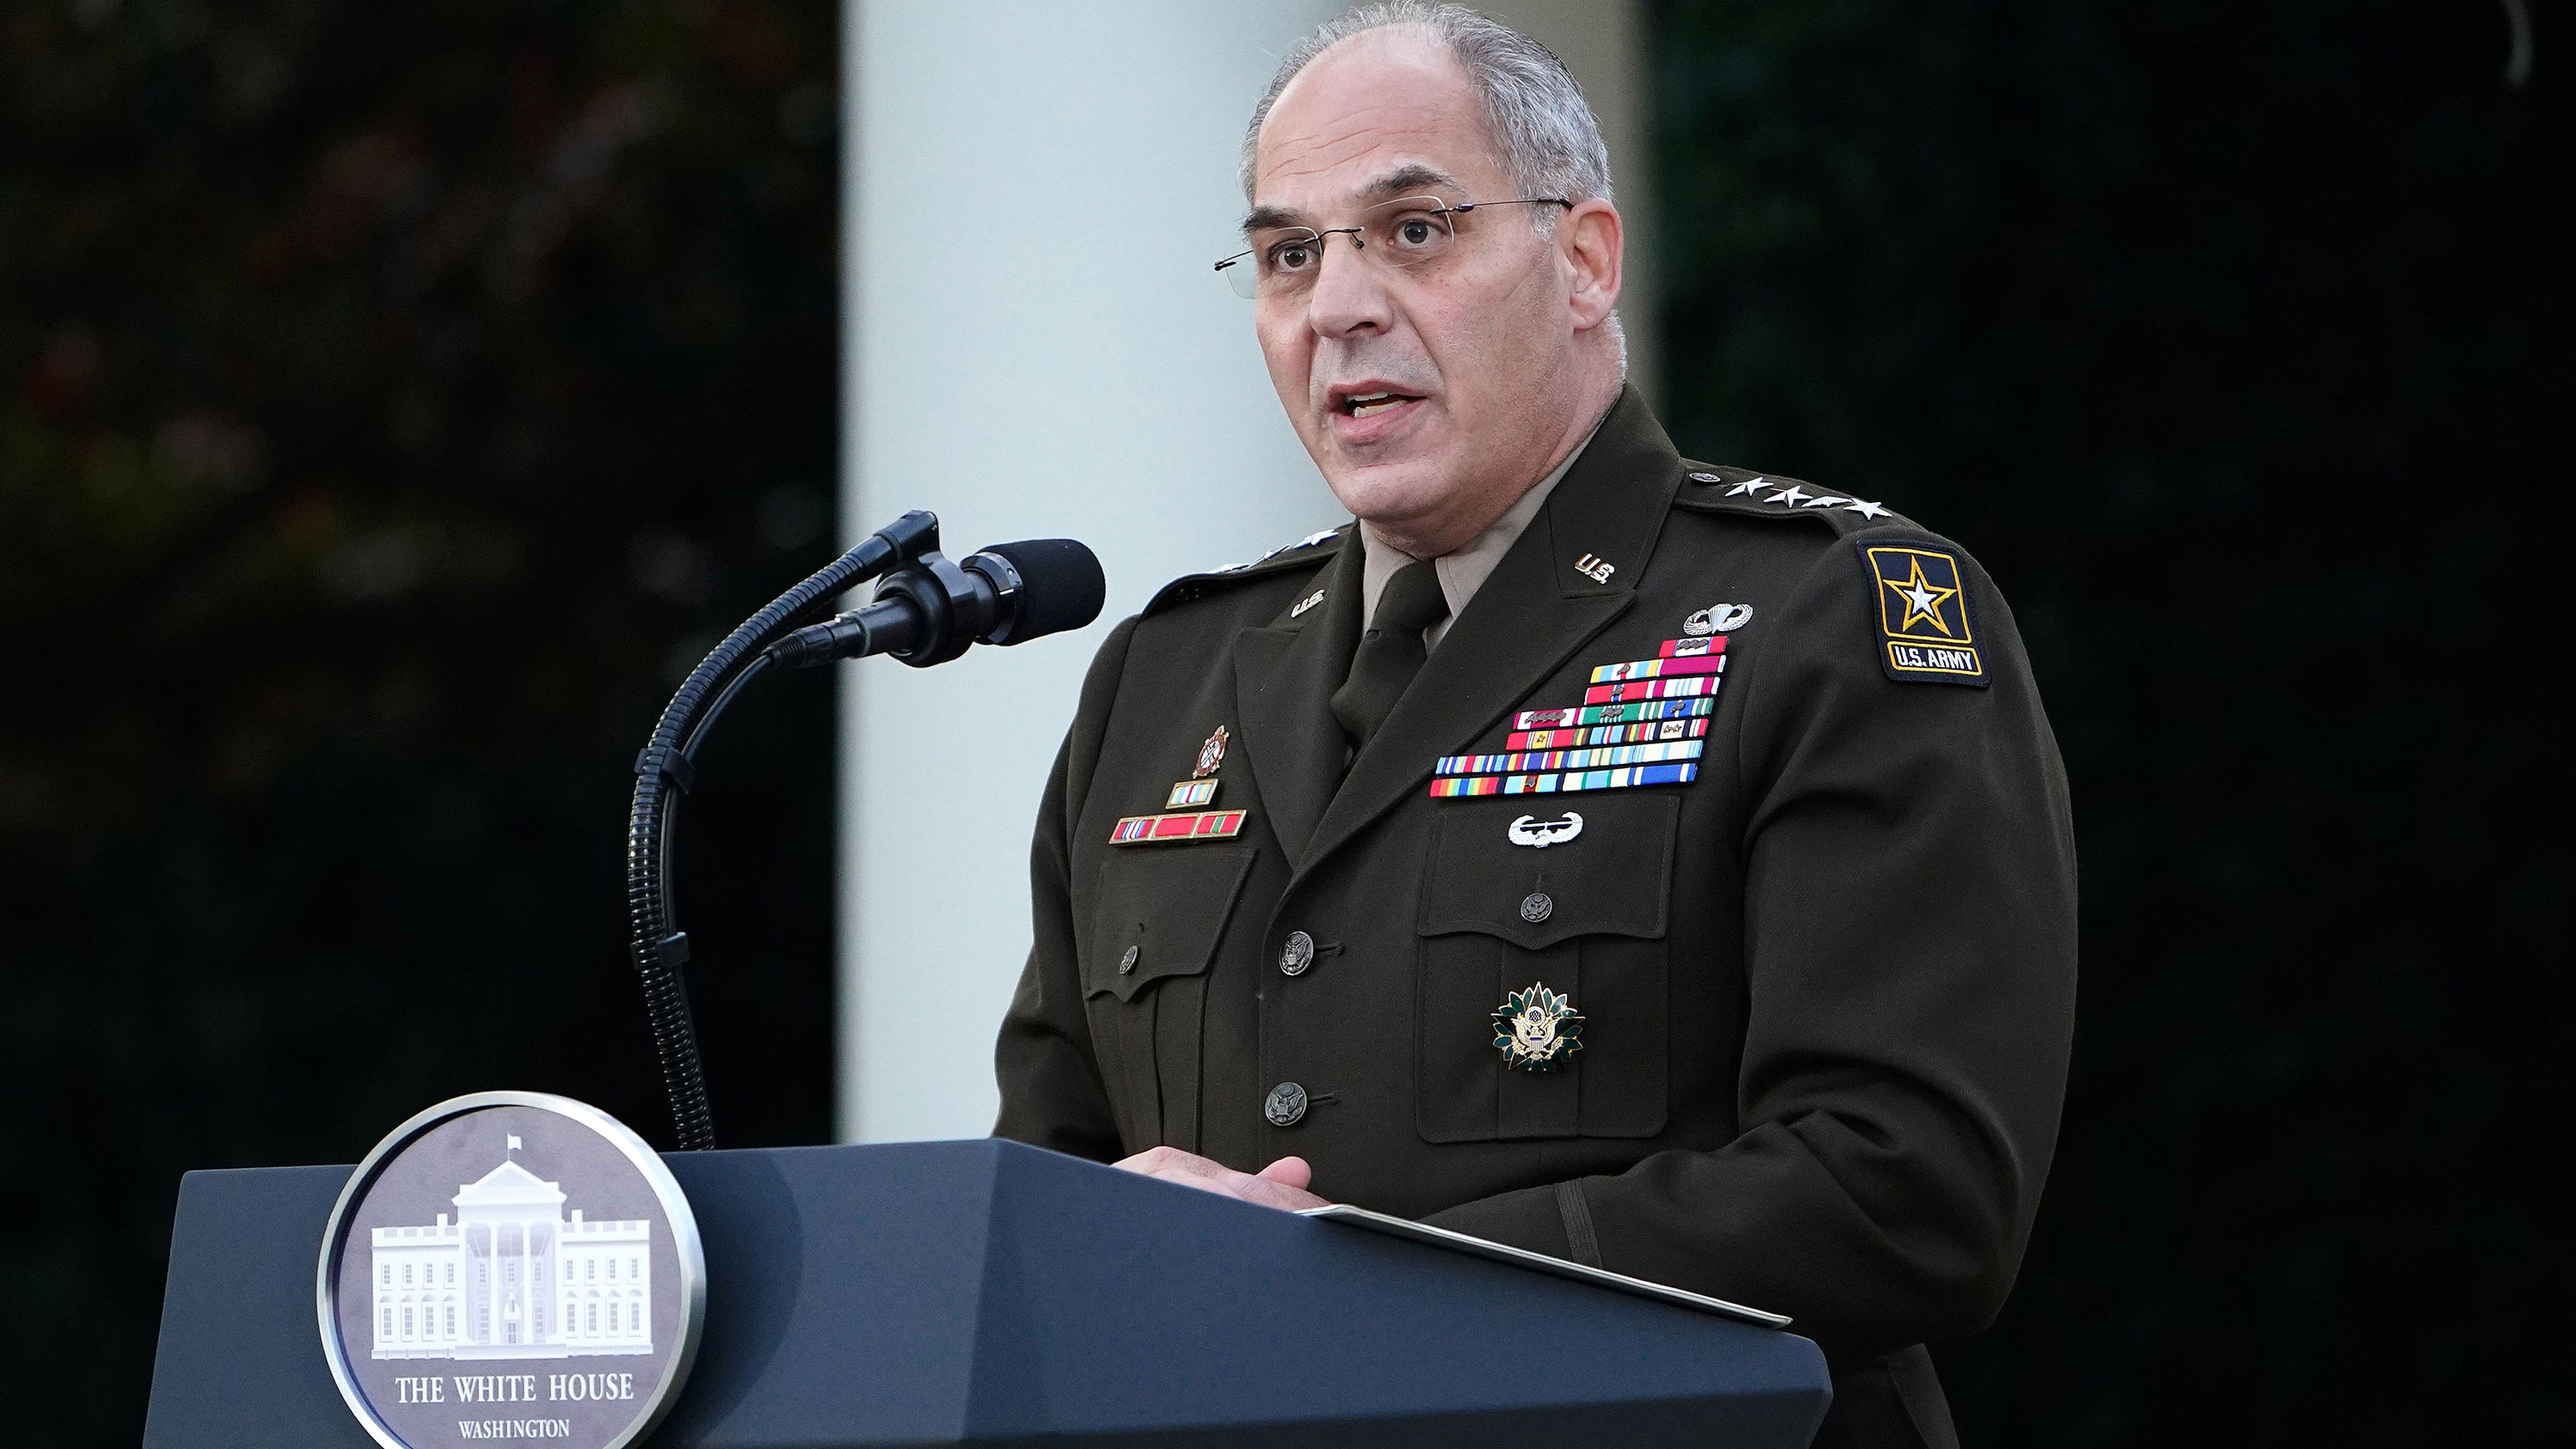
(926, 613)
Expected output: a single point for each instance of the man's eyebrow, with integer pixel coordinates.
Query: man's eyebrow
(1410, 179)
(1263, 218)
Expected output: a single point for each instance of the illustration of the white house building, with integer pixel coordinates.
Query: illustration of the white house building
(510, 1278)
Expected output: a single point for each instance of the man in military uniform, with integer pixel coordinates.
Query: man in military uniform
(1658, 865)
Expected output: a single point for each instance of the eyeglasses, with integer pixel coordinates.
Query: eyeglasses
(1406, 232)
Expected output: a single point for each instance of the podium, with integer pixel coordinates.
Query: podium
(986, 1292)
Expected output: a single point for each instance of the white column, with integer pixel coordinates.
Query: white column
(1033, 346)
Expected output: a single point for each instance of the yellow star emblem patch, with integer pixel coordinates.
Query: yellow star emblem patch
(1926, 631)
(1923, 599)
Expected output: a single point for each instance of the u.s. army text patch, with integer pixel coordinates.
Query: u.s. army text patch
(1926, 631)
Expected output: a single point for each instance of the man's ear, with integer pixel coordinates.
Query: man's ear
(1589, 238)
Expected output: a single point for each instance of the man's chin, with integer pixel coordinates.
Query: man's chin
(1392, 494)
(1413, 459)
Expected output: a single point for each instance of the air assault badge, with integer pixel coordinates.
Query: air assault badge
(1926, 634)
(1537, 1029)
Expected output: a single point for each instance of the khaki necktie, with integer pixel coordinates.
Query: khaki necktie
(1391, 652)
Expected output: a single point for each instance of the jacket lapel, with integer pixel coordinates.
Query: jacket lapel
(1284, 678)
(1535, 610)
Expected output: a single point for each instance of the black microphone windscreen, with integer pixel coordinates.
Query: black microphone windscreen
(1061, 586)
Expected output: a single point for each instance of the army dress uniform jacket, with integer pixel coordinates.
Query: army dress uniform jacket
(1825, 984)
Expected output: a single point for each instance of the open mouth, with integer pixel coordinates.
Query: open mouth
(1370, 404)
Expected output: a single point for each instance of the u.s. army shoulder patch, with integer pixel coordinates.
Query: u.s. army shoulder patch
(1927, 634)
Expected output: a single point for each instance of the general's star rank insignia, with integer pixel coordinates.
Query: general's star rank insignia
(1926, 633)
(1536, 1030)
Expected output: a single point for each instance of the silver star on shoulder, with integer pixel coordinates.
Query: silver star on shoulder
(1827, 501)
(1747, 486)
(1864, 508)
(1789, 495)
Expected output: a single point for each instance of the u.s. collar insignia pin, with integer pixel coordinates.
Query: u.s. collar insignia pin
(1211, 754)
(1539, 834)
(1718, 619)
(1537, 1029)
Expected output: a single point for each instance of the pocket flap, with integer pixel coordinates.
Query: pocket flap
(1612, 879)
(1161, 910)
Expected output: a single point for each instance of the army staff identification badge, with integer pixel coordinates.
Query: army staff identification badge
(1926, 634)
(1536, 1030)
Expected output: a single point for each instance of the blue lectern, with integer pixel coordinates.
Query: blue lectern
(990, 1293)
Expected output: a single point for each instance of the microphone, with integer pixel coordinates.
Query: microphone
(927, 613)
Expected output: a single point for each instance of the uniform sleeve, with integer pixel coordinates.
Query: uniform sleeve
(1909, 907)
(1052, 1095)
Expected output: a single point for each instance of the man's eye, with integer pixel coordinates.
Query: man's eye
(1294, 256)
(1414, 231)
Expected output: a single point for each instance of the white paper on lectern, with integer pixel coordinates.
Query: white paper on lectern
(1360, 1217)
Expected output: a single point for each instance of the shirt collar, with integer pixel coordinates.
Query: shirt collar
(1463, 571)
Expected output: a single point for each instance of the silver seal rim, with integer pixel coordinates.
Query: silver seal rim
(685, 1243)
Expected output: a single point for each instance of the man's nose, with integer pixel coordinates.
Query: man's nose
(1350, 292)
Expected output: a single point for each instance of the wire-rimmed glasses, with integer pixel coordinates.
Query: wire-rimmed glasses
(1405, 232)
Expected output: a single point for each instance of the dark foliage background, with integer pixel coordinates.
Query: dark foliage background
(2235, 340)
(392, 399)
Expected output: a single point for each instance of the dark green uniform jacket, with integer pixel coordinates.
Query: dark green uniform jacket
(1826, 987)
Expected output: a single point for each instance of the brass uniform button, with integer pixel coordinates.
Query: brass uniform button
(1536, 907)
(1298, 954)
(1127, 962)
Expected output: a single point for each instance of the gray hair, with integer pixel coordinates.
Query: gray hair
(1547, 135)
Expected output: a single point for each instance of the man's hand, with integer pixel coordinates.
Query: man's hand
(1280, 1185)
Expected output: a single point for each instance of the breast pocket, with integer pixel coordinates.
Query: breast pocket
(1582, 917)
(1154, 931)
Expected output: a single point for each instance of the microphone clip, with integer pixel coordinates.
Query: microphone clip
(950, 606)
(924, 613)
